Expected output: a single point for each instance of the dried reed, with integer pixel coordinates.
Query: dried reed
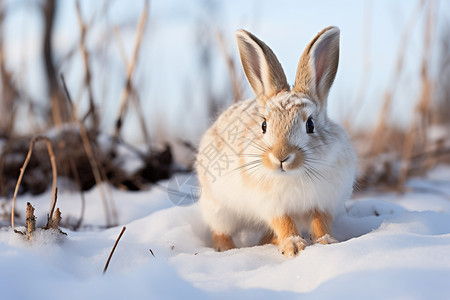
(381, 129)
(416, 135)
(87, 69)
(22, 171)
(90, 154)
(130, 70)
(113, 249)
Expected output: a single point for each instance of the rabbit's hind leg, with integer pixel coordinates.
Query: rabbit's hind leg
(222, 242)
(268, 237)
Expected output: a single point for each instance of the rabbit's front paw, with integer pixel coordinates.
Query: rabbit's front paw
(291, 246)
(326, 239)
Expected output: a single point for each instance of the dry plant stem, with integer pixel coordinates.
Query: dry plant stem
(140, 113)
(90, 154)
(133, 94)
(355, 110)
(120, 42)
(87, 81)
(52, 208)
(56, 219)
(77, 179)
(30, 220)
(113, 249)
(113, 209)
(9, 93)
(24, 166)
(380, 129)
(130, 69)
(235, 82)
(60, 112)
(422, 108)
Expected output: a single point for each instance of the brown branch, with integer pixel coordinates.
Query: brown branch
(422, 109)
(140, 112)
(24, 166)
(87, 79)
(49, 217)
(130, 70)
(113, 249)
(151, 251)
(132, 93)
(381, 127)
(90, 154)
(231, 66)
(59, 110)
(77, 179)
(120, 43)
(56, 219)
(30, 220)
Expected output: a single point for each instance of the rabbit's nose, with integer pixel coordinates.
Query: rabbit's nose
(282, 161)
(283, 157)
(288, 159)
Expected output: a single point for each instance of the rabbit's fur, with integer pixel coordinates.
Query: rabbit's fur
(277, 161)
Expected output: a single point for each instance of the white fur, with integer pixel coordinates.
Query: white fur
(228, 202)
(235, 197)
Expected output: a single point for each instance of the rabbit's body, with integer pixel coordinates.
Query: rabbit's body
(276, 162)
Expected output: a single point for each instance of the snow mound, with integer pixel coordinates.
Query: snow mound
(391, 246)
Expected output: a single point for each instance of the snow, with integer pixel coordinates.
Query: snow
(392, 246)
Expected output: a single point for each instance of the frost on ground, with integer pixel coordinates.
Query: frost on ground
(392, 246)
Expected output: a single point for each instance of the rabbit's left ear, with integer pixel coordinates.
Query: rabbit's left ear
(318, 65)
(261, 67)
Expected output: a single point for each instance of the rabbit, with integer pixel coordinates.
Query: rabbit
(277, 162)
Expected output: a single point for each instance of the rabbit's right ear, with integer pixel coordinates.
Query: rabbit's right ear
(318, 65)
(261, 66)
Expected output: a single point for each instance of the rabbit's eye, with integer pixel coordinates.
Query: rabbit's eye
(264, 126)
(310, 126)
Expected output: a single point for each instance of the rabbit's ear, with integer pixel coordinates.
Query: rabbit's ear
(318, 65)
(261, 66)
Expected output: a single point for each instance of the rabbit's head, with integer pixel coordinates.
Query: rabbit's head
(295, 132)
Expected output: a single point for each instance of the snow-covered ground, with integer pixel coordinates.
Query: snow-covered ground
(393, 246)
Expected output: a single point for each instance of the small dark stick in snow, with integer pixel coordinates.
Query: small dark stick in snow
(151, 252)
(31, 220)
(114, 248)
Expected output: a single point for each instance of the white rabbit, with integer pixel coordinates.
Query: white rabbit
(277, 162)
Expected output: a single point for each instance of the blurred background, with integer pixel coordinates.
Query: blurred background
(124, 90)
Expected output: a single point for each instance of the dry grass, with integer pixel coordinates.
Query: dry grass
(22, 171)
(77, 153)
(395, 154)
(113, 249)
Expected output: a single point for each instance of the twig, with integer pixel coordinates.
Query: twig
(77, 179)
(133, 93)
(381, 128)
(151, 251)
(87, 80)
(24, 166)
(113, 249)
(236, 84)
(130, 69)
(422, 107)
(356, 108)
(55, 196)
(56, 219)
(120, 42)
(30, 220)
(90, 154)
(140, 112)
